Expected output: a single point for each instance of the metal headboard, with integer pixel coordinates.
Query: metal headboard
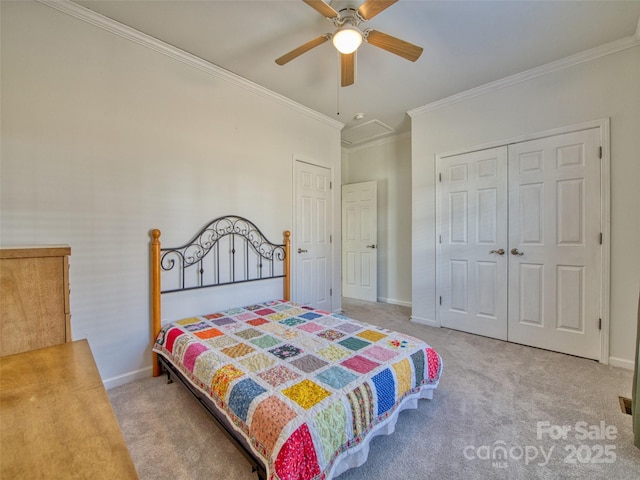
(203, 263)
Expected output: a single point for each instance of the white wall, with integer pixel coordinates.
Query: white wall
(104, 139)
(608, 86)
(388, 161)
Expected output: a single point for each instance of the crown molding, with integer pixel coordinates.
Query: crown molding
(133, 35)
(581, 57)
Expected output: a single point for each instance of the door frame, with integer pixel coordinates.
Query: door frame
(605, 211)
(294, 222)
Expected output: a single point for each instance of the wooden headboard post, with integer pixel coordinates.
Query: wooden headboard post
(287, 265)
(156, 304)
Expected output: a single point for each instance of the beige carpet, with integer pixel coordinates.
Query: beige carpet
(491, 399)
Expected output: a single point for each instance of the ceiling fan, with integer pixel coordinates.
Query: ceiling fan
(348, 36)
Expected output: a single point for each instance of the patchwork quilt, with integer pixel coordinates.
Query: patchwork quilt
(303, 386)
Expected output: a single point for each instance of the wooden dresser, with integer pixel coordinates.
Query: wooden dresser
(57, 421)
(34, 298)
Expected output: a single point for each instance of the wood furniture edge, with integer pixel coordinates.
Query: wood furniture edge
(34, 251)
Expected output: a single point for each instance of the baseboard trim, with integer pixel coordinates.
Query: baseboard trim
(393, 301)
(621, 363)
(424, 321)
(127, 377)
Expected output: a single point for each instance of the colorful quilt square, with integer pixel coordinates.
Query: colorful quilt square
(278, 375)
(268, 420)
(331, 335)
(254, 307)
(286, 351)
(213, 316)
(221, 342)
(257, 322)
(191, 354)
(223, 377)
(333, 353)
(328, 321)
(264, 312)
(379, 353)
(306, 393)
(308, 363)
(310, 315)
(249, 333)
(241, 396)
(223, 321)
(404, 376)
(274, 317)
(257, 362)
(371, 335)
(385, 390)
(310, 344)
(274, 328)
(359, 364)
(294, 312)
(245, 316)
(207, 364)
(311, 327)
(291, 321)
(336, 377)
(348, 327)
(233, 311)
(354, 344)
(193, 327)
(398, 344)
(265, 341)
(239, 350)
(187, 321)
(210, 333)
(289, 334)
(330, 424)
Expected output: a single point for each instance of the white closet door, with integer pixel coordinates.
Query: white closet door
(472, 262)
(554, 243)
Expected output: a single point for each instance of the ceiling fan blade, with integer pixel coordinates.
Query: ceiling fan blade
(347, 68)
(394, 45)
(322, 8)
(371, 8)
(287, 57)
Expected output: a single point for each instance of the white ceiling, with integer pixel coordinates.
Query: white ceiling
(466, 44)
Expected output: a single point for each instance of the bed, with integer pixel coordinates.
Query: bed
(301, 392)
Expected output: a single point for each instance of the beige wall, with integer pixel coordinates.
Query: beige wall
(388, 162)
(606, 87)
(104, 139)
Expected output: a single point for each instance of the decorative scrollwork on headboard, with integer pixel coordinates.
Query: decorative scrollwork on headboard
(243, 237)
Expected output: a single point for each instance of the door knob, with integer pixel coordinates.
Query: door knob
(300, 250)
(371, 246)
(500, 251)
(515, 251)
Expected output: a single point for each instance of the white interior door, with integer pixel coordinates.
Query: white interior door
(359, 241)
(312, 241)
(554, 242)
(473, 241)
(544, 291)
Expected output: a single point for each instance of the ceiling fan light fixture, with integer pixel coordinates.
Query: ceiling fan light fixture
(347, 39)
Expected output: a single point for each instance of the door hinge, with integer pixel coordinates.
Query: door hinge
(331, 239)
(599, 324)
(600, 153)
(440, 300)
(440, 177)
(440, 238)
(600, 238)
(331, 292)
(330, 185)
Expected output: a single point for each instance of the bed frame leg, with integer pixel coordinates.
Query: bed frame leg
(169, 379)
